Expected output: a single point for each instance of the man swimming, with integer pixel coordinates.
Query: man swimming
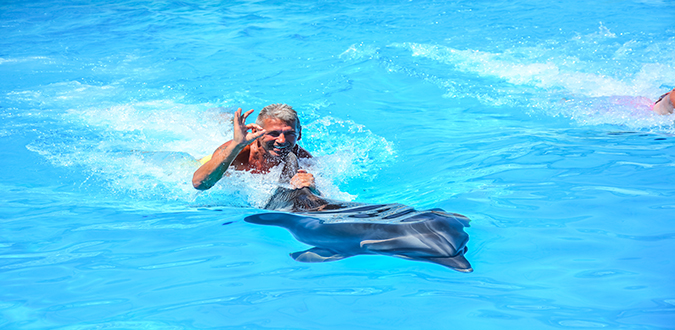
(271, 138)
(665, 104)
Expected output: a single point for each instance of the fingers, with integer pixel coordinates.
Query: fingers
(237, 118)
(246, 114)
(257, 131)
(257, 134)
(255, 127)
(242, 118)
(239, 121)
(302, 179)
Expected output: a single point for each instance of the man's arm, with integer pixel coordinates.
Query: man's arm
(212, 171)
(208, 174)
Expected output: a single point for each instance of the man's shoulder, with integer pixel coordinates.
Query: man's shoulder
(301, 152)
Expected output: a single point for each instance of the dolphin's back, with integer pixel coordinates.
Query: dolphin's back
(338, 230)
(388, 229)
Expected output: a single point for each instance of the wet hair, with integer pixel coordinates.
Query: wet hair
(279, 111)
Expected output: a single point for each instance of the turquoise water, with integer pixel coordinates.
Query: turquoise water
(529, 117)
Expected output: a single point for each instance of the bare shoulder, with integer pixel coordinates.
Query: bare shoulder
(301, 152)
(242, 160)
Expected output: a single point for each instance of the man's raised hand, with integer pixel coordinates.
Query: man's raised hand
(242, 136)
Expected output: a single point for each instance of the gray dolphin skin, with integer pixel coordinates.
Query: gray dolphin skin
(339, 230)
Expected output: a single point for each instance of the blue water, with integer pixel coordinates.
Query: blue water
(529, 117)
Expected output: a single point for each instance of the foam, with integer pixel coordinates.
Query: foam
(146, 152)
(561, 78)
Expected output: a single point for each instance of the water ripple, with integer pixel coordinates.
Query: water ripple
(51, 257)
(602, 273)
(581, 324)
(86, 304)
(178, 263)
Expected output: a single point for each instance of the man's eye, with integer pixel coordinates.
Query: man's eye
(273, 134)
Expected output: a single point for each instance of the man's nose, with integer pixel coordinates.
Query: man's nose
(281, 138)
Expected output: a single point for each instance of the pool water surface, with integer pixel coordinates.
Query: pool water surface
(531, 118)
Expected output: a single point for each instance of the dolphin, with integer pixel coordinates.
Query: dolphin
(339, 230)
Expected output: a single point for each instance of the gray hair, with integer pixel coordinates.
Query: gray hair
(279, 111)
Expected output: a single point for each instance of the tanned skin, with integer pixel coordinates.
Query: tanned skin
(666, 104)
(257, 149)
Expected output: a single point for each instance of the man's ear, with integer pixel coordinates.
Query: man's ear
(300, 134)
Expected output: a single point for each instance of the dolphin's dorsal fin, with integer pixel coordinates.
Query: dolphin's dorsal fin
(290, 168)
(294, 200)
(317, 255)
(281, 198)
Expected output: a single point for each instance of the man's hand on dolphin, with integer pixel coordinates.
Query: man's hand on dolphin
(302, 179)
(241, 134)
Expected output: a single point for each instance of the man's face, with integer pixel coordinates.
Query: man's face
(280, 138)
